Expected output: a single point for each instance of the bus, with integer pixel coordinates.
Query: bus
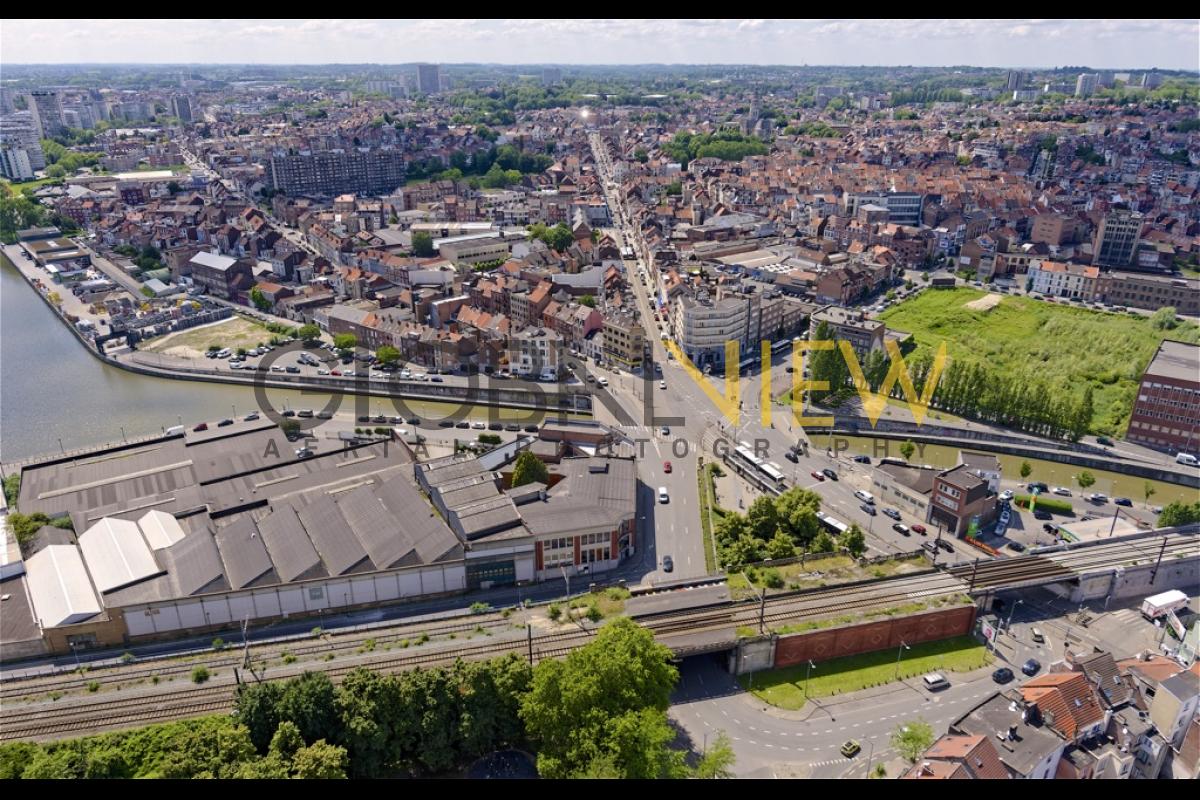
(770, 472)
(835, 526)
(773, 472)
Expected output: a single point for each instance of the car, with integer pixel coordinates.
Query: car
(1104, 441)
(817, 475)
(663, 497)
(1050, 529)
(324, 415)
(1016, 547)
(1031, 667)
(512, 427)
(446, 423)
(935, 681)
(322, 372)
(1002, 675)
(336, 372)
(931, 547)
(865, 497)
(667, 467)
(1040, 514)
(862, 459)
(868, 509)
(364, 418)
(1097, 497)
(304, 452)
(850, 749)
(436, 379)
(350, 373)
(666, 431)
(668, 564)
(203, 426)
(276, 368)
(495, 426)
(945, 545)
(901, 529)
(531, 429)
(414, 420)
(790, 455)
(479, 426)
(1061, 491)
(1123, 501)
(893, 513)
(828, 473)
(1006, 495)
(380, 419)
(253, 415)
(224, 422)
(293, 370)
(463, 424)
(1038, 487)
(920, 529)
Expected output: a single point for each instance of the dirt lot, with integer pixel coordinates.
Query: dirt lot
(233, 333)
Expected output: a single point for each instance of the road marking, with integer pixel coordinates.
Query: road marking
(751, 741)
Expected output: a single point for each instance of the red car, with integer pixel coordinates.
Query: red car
(666, 466)
(919, 529)
(203, 426)
(336, 372)
(817, 475)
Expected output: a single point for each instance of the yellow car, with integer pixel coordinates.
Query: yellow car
(851, 748)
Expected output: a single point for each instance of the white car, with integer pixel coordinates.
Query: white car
(662, 384)
(1062, 490)
(479, 426)
(865, 497)
(322, 372)
(663, 497)
(1006, 495)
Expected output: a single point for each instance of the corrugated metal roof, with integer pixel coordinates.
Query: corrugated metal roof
(291, 551)
(433, 538)
(337, 544)
(381, 533)
(58, 583)
(243, 552)
(195, 565)
(116, 554)
(160, 529)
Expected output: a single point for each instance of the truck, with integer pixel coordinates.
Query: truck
(1160, 605)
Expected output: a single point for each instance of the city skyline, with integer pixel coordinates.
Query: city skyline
(1099, 44)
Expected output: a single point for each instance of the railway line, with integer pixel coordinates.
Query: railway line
(140, 705)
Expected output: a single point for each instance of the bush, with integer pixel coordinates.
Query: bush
(218, 644)
(593, 613)
(479, 608)
(93, 686)
(289, 658)
(316, 633)
(772, 579)
(554, 611)
(200, 674)
(1045, 504)
(128, 657)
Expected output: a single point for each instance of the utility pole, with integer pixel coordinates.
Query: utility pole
(529, 639)
(974, 569)
(1161, 550)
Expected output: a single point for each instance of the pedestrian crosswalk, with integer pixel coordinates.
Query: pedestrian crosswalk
(1127, 615)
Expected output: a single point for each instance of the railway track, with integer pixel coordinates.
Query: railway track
(85, 715)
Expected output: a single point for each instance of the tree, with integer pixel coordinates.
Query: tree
(604, 707)
(781, 546)
(422, 244)
(310, 334)
(25, 527)
(587, 300)
(388, 354)
(320, 761)
(1085, 479)
(1148, 491)
(797, 509)
(257, 709)
(345, 341)
(854, 541)
(907, 449)
(259, 299)
(308, 702)
(763, 518)
(822, 543)
(717, 761)
(1026, 469)
(1176, 513)
(529, 469)
(912, 739)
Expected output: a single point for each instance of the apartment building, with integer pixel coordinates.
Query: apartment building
(903, 208)
(221, 276)
(1116, 240)
(1166, 415)
(863, 334)
(535, 352)
(1064, 280)
(46, 107)
(703, 323)
(327, 172)
(961, 501)
(624, 341)
(1140, 290)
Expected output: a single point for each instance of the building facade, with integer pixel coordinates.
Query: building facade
(1166, 415)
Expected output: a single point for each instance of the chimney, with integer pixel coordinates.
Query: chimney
(1012, 733)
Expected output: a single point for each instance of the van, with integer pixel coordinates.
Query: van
(602, 381)
(175, 430)
(1187, 460)
(935, 681)
(1037, 635)
(865, 497)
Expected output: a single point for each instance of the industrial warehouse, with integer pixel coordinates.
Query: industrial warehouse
(199, 531)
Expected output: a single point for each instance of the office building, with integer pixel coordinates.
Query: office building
(1166, 415)
(1117, 239)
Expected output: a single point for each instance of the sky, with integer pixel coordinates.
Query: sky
(1108, 44)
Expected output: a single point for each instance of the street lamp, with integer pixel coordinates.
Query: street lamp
(807, 672)
(903, 646)
(1008, 624)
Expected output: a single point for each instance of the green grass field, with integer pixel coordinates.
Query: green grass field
(1068, 348)
(785, 688)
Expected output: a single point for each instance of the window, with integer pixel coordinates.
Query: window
(316, 593)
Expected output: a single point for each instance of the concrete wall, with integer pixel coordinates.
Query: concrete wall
(751, 655)
(1138, 580)
(867, 637)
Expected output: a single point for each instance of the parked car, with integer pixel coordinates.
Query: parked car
(865, 497)
(1038, 487)
(512, 427)
(667, 467)
(1040, 514)
(1002, 675)
(901, 529)
(495, 426)
(446, 423)
(1031, 667)
(790, 455)
(893, 513)
(945, 545)
(1006, 495)
(935, 681)
(1097, 497)
(1016, 547)
(919, 529)
(224, 423)
(868, 509)
(818, 476)
(463, 424)
(668, 564)
(304, 452)
(203, 426)
(324, 415)
(1062, 491)
(828, 473)
(531, 428)
(862, 459)
(1123, 501)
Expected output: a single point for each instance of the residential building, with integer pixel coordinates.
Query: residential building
(429, 78)
(961, 501)
(1086, 83)
(181, 107)
(46, 107)
(703, 324)
(18, 131)
(221, 276)
(959, 757)
(1152, 292)
(624, 341)
(14, 163)
(1116, 240)
(535, 351)
(1064, 280)
(1166, 414)
(1028, 747)
(326, 172)
(551, 75)
(864, 335)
